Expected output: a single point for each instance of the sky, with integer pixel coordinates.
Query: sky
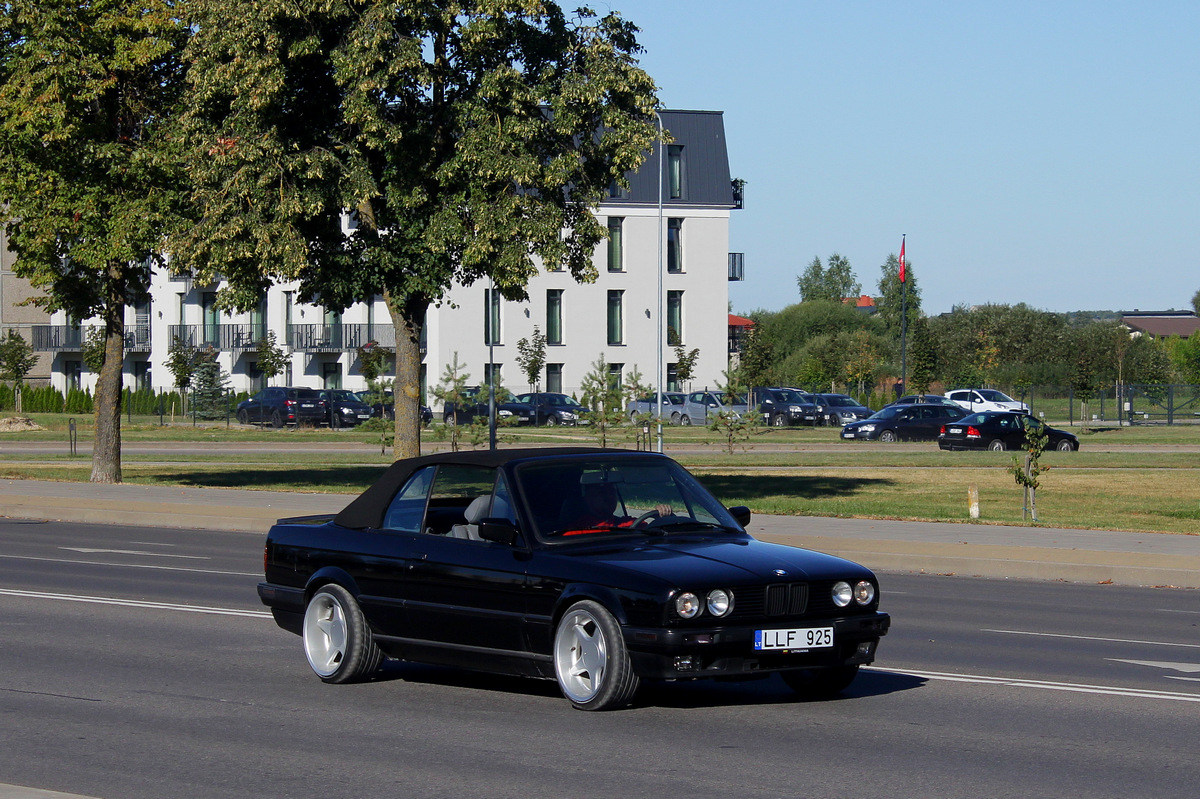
(1038, 152)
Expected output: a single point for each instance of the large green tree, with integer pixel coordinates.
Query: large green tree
(891, 301)
(472, 139)
(832, 282)
(85, 88)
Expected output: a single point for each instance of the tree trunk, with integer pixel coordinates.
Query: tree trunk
(407, 317)
(106, 448)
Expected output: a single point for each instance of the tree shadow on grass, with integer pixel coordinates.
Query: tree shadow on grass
(740, 488)
(298, 478)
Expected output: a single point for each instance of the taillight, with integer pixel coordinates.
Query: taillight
(289, 403)
(266, 552)
(973, 432)
(942, 432)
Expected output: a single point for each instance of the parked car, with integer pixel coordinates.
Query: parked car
(985, 399)
(344, 408)
(554, 409)
(782, 407)
(637, 573)
(1000, 430)
(699, 405)
(670, 403)
(383, 406)
(283, 405)
(924, 399)
(840, 409)
(477, 405)
(921, 422)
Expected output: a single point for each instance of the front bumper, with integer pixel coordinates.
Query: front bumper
(675, 653)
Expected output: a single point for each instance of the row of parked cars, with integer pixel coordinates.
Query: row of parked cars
(778, 406)
(292, 406)
(960, 420)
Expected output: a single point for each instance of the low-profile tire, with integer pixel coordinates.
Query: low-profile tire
(675, 418)
(337, 640)
(820, 683)
(1065, 446)
(243, 417)
(685, 420)
(997, 446)
(276, 420)
(590, 659)
(888, 437)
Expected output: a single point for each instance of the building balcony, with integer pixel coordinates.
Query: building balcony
(737, 266)
(339, 338)
(225, 337)
(70, 338)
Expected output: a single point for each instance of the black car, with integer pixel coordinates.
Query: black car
(554, 409)
(1001, 430)
(595, 567)
(476, 406)
(282, 405)
(344, 408)
(924, 399)
(383, 405)
(782, 407)
(920, 422)
(840, 409)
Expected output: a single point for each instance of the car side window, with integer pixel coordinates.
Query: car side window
(408, 506)
(454, 489)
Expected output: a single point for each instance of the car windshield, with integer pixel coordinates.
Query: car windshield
(729, 399)
(618, 496)
(840, 401)
(341, 395)
(888, 412)
(788, 395)
(991, 395)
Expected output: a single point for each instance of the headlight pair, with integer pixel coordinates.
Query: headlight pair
(719, 603)
(862, 592)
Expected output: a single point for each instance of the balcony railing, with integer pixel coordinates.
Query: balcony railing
(737, 266)
(339, 338)
(228, 337)
(70, 338)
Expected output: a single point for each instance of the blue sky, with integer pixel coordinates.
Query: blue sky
(1036, 152)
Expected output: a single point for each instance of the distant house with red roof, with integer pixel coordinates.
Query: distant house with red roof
(738, 327)
(861, 303)
(1161, 324)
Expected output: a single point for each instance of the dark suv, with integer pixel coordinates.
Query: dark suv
(282, 405)
(344, 408)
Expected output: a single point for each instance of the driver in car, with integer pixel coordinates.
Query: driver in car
(600, 505)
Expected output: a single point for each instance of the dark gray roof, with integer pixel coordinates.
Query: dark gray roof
(706, 179)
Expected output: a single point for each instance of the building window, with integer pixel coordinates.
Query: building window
(331, 375)
(554, 378)
(212, 319)
(491, 316)
(554, 333)
(616, 191)
(673, 377)
(674, 245)
(491, 375)
(288, 333)
(141, 376)
(675, 171)
(615, 371)
(616, 321)
(258, 380)
(616, 249)
(73, 372)
(675, 318)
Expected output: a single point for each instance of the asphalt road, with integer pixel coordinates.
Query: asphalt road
(137, 662)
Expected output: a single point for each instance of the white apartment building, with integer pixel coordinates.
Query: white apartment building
(678, 227)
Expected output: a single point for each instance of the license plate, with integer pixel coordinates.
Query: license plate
(954, 430)
(364, 416)
(805, 638)
(847, 435)
(306, 405)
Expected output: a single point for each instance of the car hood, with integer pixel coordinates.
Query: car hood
(687, 560)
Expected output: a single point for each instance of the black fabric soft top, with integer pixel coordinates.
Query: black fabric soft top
(367, 510)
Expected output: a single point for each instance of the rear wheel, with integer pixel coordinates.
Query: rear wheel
(590, 659)
(675, 418)
(243, 417)
(997, 446)
(276, 420)
(337, 640)
(820, 683)
(685, 420)
(888, 437)
(335, 420)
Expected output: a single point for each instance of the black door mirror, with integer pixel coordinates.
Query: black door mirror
(501, 531)
(740, 514)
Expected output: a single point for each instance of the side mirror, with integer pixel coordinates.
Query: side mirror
(740, 514)
(500, 531)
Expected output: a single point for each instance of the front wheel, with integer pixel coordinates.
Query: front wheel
(996, 446)
(675, 418)
(779, 420)
(551, 421)
(335, 420)
(1065, 446)
(888, 437)
(590, 659)
(243, 417)
(820, 683)
(276, 420)
(337, 640)
(685, 420)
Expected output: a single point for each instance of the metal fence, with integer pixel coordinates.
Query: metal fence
(1157, 403)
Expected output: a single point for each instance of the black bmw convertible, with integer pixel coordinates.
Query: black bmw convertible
(596, 568)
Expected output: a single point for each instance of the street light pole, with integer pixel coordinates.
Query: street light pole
(661, 268)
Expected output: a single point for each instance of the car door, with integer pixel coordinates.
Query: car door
(465, 597)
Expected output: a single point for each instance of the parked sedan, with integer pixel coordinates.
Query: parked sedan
(383, 405)
(282, 405)
(670, 404)
(554, 409)
(904, 423)
(840, 409)
(985, 399)
(1001, 430)
(782, 407)
(344, 408)
(596, 568)
(477, 405)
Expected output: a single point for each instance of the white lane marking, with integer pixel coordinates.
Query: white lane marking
(131, 565)
(91, 551)
(131, 603)
(1093, 638)
(1187, 668)
(1079, 688)
(1175, 610)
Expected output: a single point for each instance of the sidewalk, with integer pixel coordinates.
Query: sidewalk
(940, 548)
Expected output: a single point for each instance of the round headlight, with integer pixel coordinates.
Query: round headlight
(842, 594)
(687, 605)
(720, 602)
(864, 592)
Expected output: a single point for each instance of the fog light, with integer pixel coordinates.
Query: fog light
(865, 649)
(685, 663)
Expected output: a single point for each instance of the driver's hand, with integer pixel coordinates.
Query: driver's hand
(663, 510)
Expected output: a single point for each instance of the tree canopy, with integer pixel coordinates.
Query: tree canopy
(832, 282)
(471, 138)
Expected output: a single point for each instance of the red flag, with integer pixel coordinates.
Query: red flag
(901, 260)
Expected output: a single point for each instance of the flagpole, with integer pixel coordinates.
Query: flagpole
(903, 320)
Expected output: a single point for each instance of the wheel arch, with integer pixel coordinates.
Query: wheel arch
(327, 575)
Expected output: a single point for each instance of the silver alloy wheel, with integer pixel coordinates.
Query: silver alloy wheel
(325, 634)
(1065, 446)
(580, 655)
